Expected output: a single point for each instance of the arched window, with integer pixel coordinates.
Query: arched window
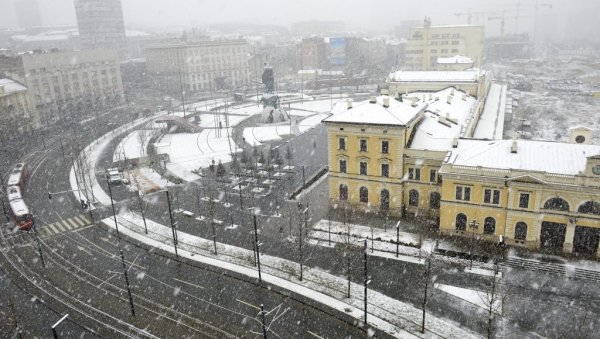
(590, 207)
(364, 194)
(520, 231)
(343, 192)
(489, 225)
(557, 204)
(434, 200)
(461, 222)
(413, 198)
(385, 200)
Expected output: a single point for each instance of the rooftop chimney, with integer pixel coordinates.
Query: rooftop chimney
(455, 143)
(399, 97)
(449, 101)
(386, 102)
(513, 148)
(349, 102)
(373, 100)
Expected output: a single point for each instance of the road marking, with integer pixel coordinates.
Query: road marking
(66, 224)
(83, 228)
(73, 223)
(315, 335)
(59, 227)
(189, 283)
(81, 223)
(248, 304)
(86, 220)
(51, 229)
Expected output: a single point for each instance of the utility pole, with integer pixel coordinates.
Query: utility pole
(127, 283)
(172, 223)
(257, 246)
(365, 279)
(262, 321)
(113, 208)
(211, 215)
(397, 238)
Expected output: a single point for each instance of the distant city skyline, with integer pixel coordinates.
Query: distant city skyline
(377, 15)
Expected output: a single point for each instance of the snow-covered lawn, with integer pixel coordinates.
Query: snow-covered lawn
(191, 151)
(261, 134)
(133, 146)
(212, 120)
(478, 298)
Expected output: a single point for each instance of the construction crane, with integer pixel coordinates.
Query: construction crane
(470, 15)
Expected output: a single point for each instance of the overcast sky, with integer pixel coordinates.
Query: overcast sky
(364, 14)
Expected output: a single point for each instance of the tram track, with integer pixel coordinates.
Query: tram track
(140, 301)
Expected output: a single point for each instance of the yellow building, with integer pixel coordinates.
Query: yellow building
(384, 153)
(535, 194)
(428, 43)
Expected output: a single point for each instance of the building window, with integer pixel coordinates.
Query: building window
(413, 198)
(524, 200)
(385, 200)
(363, 168)
(461, 222)
(489, 225)
(414, 173)
(363, 145)
(432, 175)
(342, 144)
(343, 192)
(385, 170)
(557, 204)
(385, 146)
(590, 207)
(434, 201)
(491, 196)
(463, 193)
(342, 166)
(364, 194)
(520, 231)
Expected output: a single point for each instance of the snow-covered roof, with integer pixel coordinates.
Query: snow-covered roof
(457, 59)
(471, 75)
(18, 207)
(11, 86)
(531, 155)
(442, 121)
(52, 37)
(13, 192)
(491, 121)
(364, 112)
(14, 178)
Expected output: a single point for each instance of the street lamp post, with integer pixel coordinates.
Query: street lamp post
(127, 283)
(474, 224)
(365, 279)
(54, 333)
(113, 207)
(257, 246)
(172, 223)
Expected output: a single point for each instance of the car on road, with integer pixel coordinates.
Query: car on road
(114, 177)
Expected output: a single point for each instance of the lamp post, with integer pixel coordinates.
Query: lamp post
(172, 223)
(474, 224)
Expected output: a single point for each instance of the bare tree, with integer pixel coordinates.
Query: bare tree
(427, 281)
(493, 299)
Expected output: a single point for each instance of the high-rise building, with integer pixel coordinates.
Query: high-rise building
(198, 65)
(101, 24)
(28, 13)
(428, 43)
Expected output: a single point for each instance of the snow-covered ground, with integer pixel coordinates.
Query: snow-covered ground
(133, 146)
(478, 298)
(261, 134)
(191, 151)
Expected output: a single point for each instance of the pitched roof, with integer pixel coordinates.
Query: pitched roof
(532, 155)
(364, 112)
